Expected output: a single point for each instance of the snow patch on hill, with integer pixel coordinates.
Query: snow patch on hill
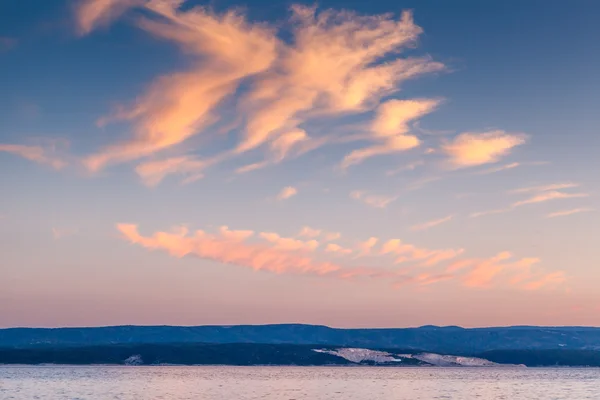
(360, 355)
(451, 361)
(357, 355)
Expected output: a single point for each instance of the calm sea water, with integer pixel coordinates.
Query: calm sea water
(297, 383)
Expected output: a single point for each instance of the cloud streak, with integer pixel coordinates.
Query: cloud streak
(473, 149)
(431, 224)
(40, 154)
(269, 251)
(286, 193)
(372, 200)
(565, 213)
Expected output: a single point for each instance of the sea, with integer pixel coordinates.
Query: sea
(295, 383)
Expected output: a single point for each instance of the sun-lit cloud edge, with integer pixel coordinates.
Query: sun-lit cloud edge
(396, 261)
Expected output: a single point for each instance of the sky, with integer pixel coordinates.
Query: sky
(346, 163)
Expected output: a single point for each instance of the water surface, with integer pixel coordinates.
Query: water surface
(296, 383)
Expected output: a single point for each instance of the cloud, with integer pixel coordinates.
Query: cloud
(565, 213)
(473, 149)
(313, 233)
(337, 249)
(91, 14)
(405, 252)
(240, 235)
(390, 129)
(228, 249)
(490, 212)
(500, 168)
(40, 154)
(547, 196)
(7, 43)
(153, 172)
(287, 192)
(519, 273)
(335, 63)
(269, 251)
(339, 62)
(546, 188)
(431, 224)
(545, 193)
(552, 279)
(309, 232)
(365, 248)
(376, 201)
(509, 166)
(224, 48)
(485, 271)
(408, 167)
(289, 244)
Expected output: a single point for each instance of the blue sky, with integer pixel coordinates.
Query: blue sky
(461, 190)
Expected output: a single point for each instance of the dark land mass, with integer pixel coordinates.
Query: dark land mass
(246, 354)
(448, 340)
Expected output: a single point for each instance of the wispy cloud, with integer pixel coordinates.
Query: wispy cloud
(153, 172)
(408, 167)
(372, 200)
(46, 154)
(509, 166)
(544, 193)
(337, 63)
(287, 192)
(269, 251)
(313, 233)
(431, 224)
(337, 249)
(547, 196)
(229, 250)
(390, 129)
(546, 188)
(473, 149)
(225, 49)
(289, 244)
(91, 14)
(565, 213)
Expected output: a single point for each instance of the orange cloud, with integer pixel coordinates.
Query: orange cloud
(337, 249)
(333, 66)
(547, 196)
(431, 224)
(289, 244)
(376, 201)
(546, 188)
(177, 106)
(546, 193)
(153, 172)
(472, 149)
(552, 279)
(287, 192)
(229, 249)
(390, 129)
(408, 167)
(91, 14)
(271, 252)
(39, 154)
(406, 252)
(565, 213)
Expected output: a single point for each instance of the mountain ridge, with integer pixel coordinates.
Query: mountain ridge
(449, 339)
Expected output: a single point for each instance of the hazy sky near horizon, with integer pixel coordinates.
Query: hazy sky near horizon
(351, 163)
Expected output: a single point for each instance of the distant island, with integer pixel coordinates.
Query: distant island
(296, 344)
